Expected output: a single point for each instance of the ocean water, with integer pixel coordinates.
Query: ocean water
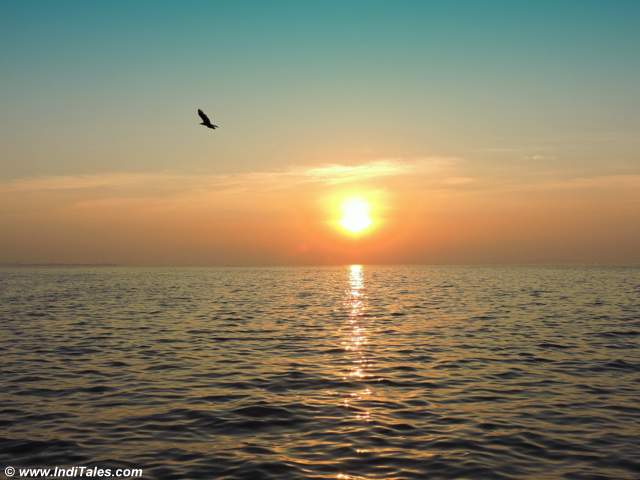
(357, 372)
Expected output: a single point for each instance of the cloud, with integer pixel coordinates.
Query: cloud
(336, 174)
(613, 183)
(88, 182)
(540, 157)
(600, 181)
(328, 174)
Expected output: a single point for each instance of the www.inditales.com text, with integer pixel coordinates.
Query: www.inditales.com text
(71, 472)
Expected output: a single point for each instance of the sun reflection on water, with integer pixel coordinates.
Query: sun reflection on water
(357, 355)
(356, 340)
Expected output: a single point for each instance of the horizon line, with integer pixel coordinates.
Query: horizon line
(306, 265)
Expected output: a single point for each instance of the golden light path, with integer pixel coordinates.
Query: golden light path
(357, 335)
(355, 345)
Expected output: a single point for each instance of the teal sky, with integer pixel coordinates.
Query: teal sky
(112, 86)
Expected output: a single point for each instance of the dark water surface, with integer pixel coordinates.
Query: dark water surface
(343, 373)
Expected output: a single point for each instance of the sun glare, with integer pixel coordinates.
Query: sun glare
(356, 216)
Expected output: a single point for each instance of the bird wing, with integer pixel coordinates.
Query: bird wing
(203, 116)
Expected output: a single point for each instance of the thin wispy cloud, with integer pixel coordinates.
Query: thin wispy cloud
(327, 174)
(597, 181)
(435, 173)
(335, 174)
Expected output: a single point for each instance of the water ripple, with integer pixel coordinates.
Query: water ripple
(343, 373)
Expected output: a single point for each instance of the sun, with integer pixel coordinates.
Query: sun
(356, 217)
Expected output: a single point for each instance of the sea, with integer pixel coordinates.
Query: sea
(352, 372)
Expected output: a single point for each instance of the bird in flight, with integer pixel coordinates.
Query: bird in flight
(205, 120)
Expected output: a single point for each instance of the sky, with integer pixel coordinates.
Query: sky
(477, 132)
